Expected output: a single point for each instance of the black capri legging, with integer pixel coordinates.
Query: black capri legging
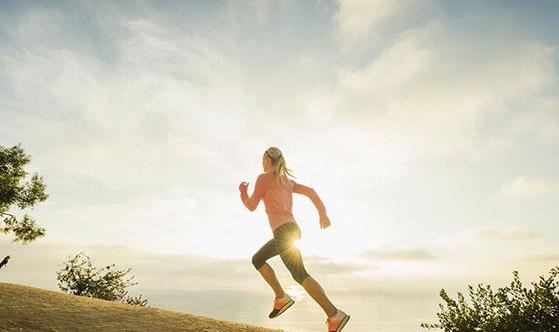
(283, 244)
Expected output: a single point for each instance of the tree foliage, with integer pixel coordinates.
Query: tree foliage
(513, 309)
(15, 191)
(78, 276)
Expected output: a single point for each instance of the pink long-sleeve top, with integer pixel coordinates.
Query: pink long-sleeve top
(278, 198)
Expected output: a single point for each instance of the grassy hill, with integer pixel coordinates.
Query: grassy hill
(24, 308)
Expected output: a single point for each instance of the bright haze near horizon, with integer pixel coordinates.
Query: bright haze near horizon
(430, 129)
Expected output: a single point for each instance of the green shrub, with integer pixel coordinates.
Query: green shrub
(512, 309)
(79, 277)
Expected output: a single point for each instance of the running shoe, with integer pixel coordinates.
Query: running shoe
(281, 305)
(337, 322)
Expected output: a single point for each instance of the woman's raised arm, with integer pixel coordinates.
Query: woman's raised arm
(251, 203)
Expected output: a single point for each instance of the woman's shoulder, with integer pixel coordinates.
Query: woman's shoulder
(266, 177)
(270, 178)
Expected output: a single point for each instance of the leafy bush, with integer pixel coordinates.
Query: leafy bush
(512, 309)
(79, 277)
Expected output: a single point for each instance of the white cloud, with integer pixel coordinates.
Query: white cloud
(510, 234)
(264, 8)
(326, 266)
(541, 124)
(482, 237)
(401, 253)
(424, 89)
(530, 188)
(356, 19)
(495, 249)
(545, 257)
(486, 244)
(165, 105)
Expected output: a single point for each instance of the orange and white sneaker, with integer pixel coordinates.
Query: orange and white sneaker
(281, 305)
(337, 322)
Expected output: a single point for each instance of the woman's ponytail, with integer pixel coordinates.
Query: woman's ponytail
(278, 161)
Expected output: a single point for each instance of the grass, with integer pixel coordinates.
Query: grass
(24, 308)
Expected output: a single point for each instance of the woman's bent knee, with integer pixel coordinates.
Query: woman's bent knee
(300, 277)
(257, 262)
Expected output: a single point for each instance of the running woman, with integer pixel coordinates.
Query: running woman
(275, 188)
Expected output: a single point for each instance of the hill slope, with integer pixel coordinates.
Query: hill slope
(24, 308)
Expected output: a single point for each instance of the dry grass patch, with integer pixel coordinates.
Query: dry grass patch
(24, 308)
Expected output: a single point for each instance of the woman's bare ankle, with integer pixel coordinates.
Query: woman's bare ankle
(335, 311)
(280, 295)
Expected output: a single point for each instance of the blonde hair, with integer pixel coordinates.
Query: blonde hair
(278, 162)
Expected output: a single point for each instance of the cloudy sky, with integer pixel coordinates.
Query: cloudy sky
(429, 128)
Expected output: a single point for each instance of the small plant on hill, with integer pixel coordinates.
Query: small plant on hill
(78, 276)
(512, 309)
(16, 192)
(136, 300)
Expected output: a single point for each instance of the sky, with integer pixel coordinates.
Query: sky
(429, 128)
